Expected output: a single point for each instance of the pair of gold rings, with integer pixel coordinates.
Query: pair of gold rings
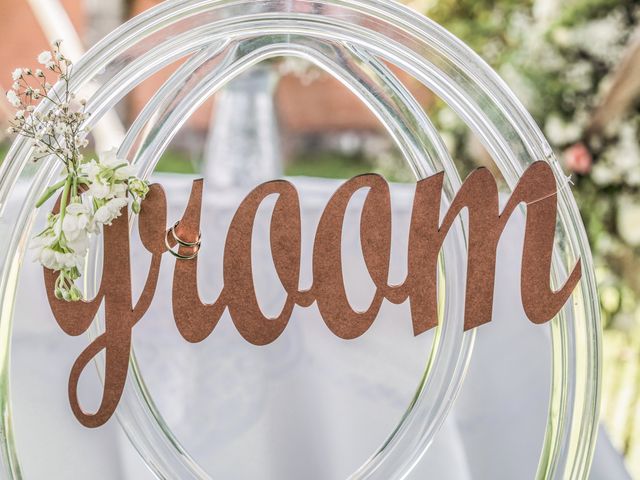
(182, 243)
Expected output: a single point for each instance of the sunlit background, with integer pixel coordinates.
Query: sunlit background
(575, 65)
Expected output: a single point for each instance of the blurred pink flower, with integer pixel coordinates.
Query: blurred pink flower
(578, 159)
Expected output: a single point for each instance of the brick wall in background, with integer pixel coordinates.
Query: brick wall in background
(23, 40)
(322, 106)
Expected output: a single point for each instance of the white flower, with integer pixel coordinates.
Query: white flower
(110, 211)
(80, 244)
(625, 154)
(52, 256)
(138, 188)
(561, 132)
(99, 190)
(109, 159)
(48, 251)
(60, 128)
(67, 260)
(59, 253)
(628, 220)
(90, 169)
(13, 98)
(77, 220)
(47, 257)
(544, 9)
(45, 58)
(17, 73)
(119, 190)
(579, 74)
(44, 239)
(603, 174)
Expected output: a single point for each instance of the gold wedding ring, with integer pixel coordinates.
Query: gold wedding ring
(195, 245)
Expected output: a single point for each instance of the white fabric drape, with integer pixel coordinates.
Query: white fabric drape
(308, 406)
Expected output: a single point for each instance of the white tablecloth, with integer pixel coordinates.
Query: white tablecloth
(308, 406)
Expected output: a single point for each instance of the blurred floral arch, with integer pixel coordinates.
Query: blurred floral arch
(576, 66)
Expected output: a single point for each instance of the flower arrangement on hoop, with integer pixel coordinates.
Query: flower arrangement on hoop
(93, 192)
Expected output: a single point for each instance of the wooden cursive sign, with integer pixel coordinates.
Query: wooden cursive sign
(196, 320)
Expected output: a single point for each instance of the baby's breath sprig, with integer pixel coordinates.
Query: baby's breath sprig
(94, 192)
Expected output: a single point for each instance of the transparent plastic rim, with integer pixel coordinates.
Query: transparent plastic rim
(351, 40)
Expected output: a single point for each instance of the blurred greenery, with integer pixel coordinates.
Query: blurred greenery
(171, 161)
(323, 164)
(327, 165)
(560, 58)
(175, 161)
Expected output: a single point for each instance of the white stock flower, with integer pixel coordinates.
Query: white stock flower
(77, 221)
(51, 256)
(80, 244)
(90, 169)
(47, 257)
(138, 188)
(45, 58)
(99, 189)
(13, 98)
(67, 260)
(109, 159)
(42, 246)
(118, 190)
(110, 211)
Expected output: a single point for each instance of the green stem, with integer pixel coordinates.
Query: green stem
(75, 187)
(65, 196)
(48, 192)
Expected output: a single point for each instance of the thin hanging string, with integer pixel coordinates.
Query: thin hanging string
(568, 184)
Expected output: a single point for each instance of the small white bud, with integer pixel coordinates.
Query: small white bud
(45, 57)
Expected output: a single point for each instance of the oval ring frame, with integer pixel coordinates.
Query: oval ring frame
(240, 33)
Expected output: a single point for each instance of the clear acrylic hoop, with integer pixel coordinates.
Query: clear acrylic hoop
(354, 41)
